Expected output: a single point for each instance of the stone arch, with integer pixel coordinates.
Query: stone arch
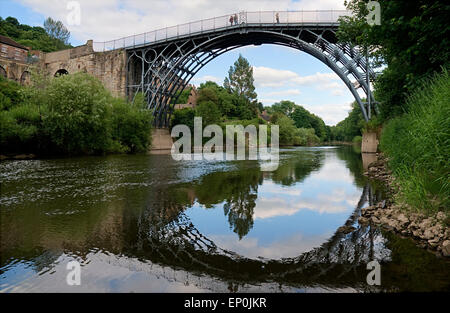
(61, 72)
(3, 72)
(25, 78)
(12, 76)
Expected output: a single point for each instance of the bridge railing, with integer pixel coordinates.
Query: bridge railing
(223, 22)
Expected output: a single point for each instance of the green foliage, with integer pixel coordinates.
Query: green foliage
(73, 114)
(413, 40)
(240, 83)
(182, 96)
(285, 107)
(225, 101)
(130, 125)
(418, 146)
(9, 93)
(302, 118)
(350, 127)
(56, 30)
(290, 134)
(357, 140)
(209, 112)
(77, 107)
(35, 37)
(240, 80)
(184, 117)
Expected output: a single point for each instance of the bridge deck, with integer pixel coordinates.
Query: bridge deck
(260, 19)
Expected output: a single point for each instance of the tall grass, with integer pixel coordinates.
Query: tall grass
(418, 146)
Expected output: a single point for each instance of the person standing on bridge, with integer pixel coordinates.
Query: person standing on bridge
(277, 16)
(235, 19)
(231, 20)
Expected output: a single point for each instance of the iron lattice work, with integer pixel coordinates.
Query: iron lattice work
(161, 69)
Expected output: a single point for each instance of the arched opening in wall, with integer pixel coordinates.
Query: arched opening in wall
(61, 72)
(3, 72)
(12, 76)
(25, 79)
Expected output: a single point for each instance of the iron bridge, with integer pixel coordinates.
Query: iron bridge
(161, 63)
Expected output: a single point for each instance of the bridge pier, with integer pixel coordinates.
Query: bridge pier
(161, 141)
(369, 142)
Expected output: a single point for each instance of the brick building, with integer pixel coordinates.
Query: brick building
(9, 49)
(192, 100)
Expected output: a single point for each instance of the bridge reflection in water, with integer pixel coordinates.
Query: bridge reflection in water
(135, 228)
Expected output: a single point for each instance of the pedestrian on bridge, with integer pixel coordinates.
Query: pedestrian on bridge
(231, 20)
(235, 19)
(277, 16)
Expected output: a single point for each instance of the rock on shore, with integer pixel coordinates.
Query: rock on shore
(428, 231)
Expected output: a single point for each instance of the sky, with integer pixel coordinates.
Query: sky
(280, 73)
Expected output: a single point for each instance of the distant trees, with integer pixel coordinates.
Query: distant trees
(57, 30)
(350, 127)
(236, 102)
(301, 117)
(36, 37)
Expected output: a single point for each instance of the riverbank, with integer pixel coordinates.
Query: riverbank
(428, 230)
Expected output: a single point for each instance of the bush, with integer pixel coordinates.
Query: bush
(183, 117)
(357, 140)
(418, 145)
(130, 126)
(72, 114)
(77, 121)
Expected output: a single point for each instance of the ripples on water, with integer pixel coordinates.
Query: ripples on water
(148, 223)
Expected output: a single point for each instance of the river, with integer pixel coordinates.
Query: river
(147, 223)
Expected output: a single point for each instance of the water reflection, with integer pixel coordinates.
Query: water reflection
(147, 223)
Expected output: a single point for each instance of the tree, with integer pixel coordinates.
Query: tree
(285, 106)
(240, 82)
(57, 30)
(413, 40)
(35, 37)
(209, 111)
(350, 127)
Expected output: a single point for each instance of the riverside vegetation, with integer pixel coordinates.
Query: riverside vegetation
(70, 115)
(413, 118)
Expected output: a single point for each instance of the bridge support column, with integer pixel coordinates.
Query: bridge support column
(161, 141)
(369, 142)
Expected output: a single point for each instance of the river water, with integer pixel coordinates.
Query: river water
(147, 223)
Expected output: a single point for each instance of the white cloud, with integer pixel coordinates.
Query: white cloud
(288, 92)
(103, 20)
(331, 113)
(271, 77)
(206, 78)
(251, 247)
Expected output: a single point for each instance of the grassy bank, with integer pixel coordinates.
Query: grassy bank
(418, 146)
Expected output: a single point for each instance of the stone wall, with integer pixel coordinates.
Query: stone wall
(369, 142)
(15, 70)
(109, 67)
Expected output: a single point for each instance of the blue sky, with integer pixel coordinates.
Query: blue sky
(280, 73)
